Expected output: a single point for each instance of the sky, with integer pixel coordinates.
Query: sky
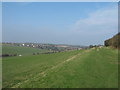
(75, 23)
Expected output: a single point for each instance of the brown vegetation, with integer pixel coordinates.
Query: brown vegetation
(114, 41)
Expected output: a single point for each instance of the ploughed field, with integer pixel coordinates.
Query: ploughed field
(90, 68)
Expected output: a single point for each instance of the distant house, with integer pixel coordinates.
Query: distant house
(79, 48)
(33, 46)
(23, 44)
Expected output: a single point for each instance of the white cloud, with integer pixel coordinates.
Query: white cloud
(101, 21)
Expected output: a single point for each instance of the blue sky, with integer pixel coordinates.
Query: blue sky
(59, 23)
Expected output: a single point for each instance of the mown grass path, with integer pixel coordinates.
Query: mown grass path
(92, 68)
(48, 70)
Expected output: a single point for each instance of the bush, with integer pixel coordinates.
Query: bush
(114, 41)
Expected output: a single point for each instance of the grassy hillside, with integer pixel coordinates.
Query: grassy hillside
(10, 49)
(92, 68)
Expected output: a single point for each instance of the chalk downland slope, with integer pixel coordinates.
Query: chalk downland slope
(90, 68)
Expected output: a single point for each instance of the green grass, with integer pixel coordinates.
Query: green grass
(74, 69)
(10, 49)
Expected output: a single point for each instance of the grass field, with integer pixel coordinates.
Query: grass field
(92, 68)
(10, 49)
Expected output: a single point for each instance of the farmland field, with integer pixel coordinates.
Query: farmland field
(11, 49)
(90, 68)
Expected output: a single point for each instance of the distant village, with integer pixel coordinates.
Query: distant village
(52, 48)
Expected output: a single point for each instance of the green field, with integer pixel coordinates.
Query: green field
(91, 68)
(11, 49)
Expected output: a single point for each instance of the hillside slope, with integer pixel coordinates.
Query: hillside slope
(92, 68)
